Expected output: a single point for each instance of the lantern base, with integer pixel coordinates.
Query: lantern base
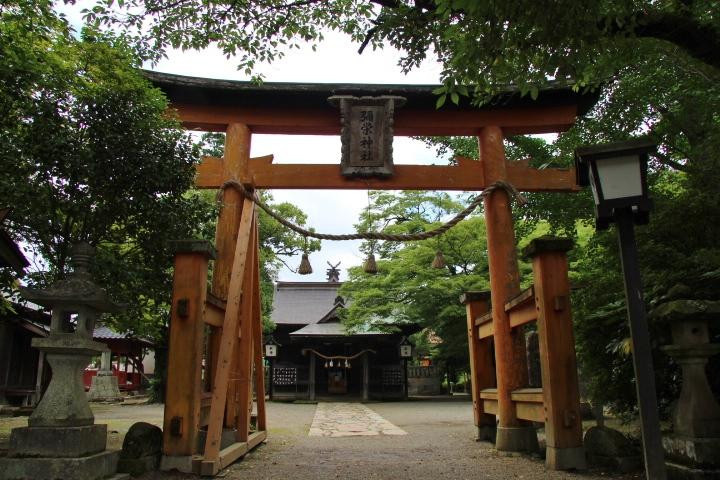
(99, 466)
(57, 441)
(694, 453)
(104, 388)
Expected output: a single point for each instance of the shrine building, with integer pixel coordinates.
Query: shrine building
(317, 358)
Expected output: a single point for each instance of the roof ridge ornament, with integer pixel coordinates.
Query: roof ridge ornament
(333, 273)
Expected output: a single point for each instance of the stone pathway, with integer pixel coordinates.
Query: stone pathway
(349, 420)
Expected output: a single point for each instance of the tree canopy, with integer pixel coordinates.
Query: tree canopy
(91, 155)
(480, 43)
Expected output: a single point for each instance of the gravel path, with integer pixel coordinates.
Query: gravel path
(437, 444)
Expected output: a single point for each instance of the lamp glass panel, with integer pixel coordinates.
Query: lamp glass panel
(620, 177)
(270, 350)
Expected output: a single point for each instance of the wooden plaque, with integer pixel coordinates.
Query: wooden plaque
(367, 134)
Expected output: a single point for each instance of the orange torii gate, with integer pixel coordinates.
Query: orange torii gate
(209, 395)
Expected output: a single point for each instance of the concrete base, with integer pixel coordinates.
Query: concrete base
(181, 463)
(572, 458)
(57, 442)
(486, 433)
(516, 439)
(94, 467)
(104, 388)
(681, 472)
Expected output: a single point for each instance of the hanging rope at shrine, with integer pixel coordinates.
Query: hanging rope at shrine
(338, 357)
(512, 192)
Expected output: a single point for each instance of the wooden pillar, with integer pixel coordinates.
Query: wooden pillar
(366, 376)
(311, 379)
(510, 361)
(184, 388)
(482, 371)
(235, 165)
(561, 392)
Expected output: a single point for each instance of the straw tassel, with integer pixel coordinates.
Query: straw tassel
(370, 266)
(305, 268)
(439, 260)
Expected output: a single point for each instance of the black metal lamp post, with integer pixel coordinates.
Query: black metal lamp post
(617, 173)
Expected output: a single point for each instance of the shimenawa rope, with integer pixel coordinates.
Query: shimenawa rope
(407, 237)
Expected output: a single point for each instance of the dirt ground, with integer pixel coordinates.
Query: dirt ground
(439, 444)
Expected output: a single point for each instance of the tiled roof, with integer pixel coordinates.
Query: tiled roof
(334, 329)
(303, 303)
(102, 332)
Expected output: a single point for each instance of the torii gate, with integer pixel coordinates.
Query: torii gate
(209, 394)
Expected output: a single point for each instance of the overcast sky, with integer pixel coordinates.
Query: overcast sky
(335, 61)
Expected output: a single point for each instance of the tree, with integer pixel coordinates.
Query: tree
(92, 155)
(406, 288)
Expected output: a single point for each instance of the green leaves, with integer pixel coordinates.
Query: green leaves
(407, 288)
(92, 155)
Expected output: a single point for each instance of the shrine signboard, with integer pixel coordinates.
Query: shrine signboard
(367, 134)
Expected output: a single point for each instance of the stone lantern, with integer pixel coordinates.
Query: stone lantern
(61, 439)
(693, 449)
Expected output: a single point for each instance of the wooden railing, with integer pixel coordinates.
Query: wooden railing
(557, 403)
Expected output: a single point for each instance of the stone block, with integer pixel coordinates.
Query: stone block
(142, 448)
(137, 466)
(57, 441)
(94, 467)
(142, 439)
(608, 448)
